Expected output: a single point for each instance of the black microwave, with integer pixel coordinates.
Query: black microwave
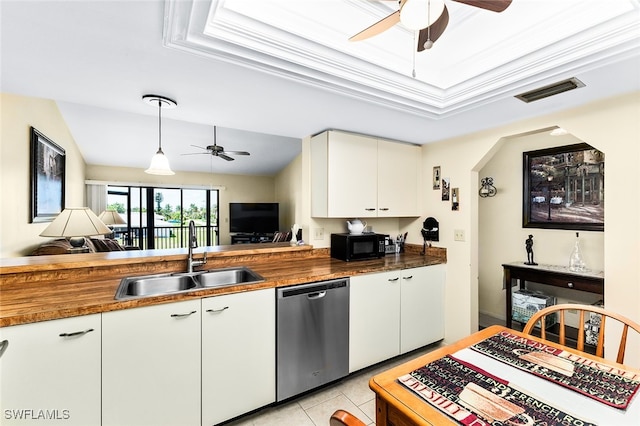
(350, 247)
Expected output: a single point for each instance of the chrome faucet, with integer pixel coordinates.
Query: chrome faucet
(193, 243)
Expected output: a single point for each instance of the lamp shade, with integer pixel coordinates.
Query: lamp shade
(76, 222)
(111, 217)
(159, 165)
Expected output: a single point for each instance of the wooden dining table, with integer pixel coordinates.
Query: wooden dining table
(397, 405)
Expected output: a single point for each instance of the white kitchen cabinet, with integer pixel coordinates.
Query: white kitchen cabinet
(374, 318)
(421, 306)
(394, 312)
(238, 354)
(360, 176)
(151, 365)
(51, 372)
(398, 177)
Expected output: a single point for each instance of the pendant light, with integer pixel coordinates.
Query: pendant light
(159, 162)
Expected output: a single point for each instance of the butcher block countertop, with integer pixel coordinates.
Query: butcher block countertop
(42, 288)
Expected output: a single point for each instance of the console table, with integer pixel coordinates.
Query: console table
(553, 275)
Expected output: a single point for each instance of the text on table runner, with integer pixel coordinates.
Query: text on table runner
(604, 383)
(472, 396)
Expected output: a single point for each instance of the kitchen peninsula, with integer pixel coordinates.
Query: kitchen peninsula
(68, 345)
(41, 288)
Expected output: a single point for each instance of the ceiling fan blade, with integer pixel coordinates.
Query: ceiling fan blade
(237, 152)
(377, 28)
(195, 153)
(434, 31)
(226, 157)
(492, 5)
(201, 147)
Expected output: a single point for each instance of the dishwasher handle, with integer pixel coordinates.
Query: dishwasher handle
(316, 295)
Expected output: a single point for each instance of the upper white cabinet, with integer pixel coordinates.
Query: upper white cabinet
(360, 176)
(151, 365)
(398, 177)
(51, 372)
(238, 354)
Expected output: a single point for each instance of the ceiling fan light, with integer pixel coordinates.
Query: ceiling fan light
(159, 165)
(419, 14)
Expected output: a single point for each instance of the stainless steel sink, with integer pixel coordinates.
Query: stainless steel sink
(229, 276)
(158, 285)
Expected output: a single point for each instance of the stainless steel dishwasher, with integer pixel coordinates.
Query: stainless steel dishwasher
(312, 336)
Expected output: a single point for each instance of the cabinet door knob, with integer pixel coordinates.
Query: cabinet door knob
(570, 285)
(182, 315)
(76, 333)
(213, 311)
(370, 210)
(407, 278)
(393, 279)
(3, 346)
(384, 209)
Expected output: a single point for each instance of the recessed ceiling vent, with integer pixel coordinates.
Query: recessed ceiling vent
(550, 90)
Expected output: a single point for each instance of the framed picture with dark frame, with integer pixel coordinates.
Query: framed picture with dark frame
(47, 178)
(563, 188)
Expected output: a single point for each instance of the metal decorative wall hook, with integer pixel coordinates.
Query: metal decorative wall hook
(486, 188)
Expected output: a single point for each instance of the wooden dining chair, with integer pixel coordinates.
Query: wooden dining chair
(344, 418)
(583, 311)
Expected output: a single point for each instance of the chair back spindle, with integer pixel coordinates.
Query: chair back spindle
(560, 309)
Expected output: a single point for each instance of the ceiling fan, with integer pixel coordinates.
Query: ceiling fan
(217, 150)
(430, 17)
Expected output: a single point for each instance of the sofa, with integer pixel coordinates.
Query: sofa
(61, 246)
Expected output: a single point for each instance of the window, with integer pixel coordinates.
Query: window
(158, 218)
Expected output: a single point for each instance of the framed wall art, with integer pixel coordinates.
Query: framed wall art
(563, 188)
(445, 189)
(436, 177)
(47, 178)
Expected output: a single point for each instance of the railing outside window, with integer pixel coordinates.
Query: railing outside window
(166, 237)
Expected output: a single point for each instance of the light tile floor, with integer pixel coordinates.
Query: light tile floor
(314, 409)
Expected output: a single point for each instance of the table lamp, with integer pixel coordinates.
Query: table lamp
(111, 217)
(75, 223)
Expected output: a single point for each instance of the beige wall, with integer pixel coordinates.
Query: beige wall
(17, 114)
(288, 192)
(233, 188)
(611, 126)
(502, 214)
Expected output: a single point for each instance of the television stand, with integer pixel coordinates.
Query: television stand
(251, 238)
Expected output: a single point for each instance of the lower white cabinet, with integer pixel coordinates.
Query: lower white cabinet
(50, 372)
(374, 318)
(394, 312)
(238, 354)
(151, 365)
(421, 306)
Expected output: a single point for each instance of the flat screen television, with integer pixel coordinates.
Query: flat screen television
(254, 218)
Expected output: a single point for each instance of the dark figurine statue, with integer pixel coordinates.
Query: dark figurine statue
(529, 245)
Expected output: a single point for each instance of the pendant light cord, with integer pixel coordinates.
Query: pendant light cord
(159, 125)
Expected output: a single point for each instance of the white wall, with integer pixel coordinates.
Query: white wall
(17, 114)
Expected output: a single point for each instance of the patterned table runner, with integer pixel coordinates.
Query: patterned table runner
(601, 382)
(472, 396)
